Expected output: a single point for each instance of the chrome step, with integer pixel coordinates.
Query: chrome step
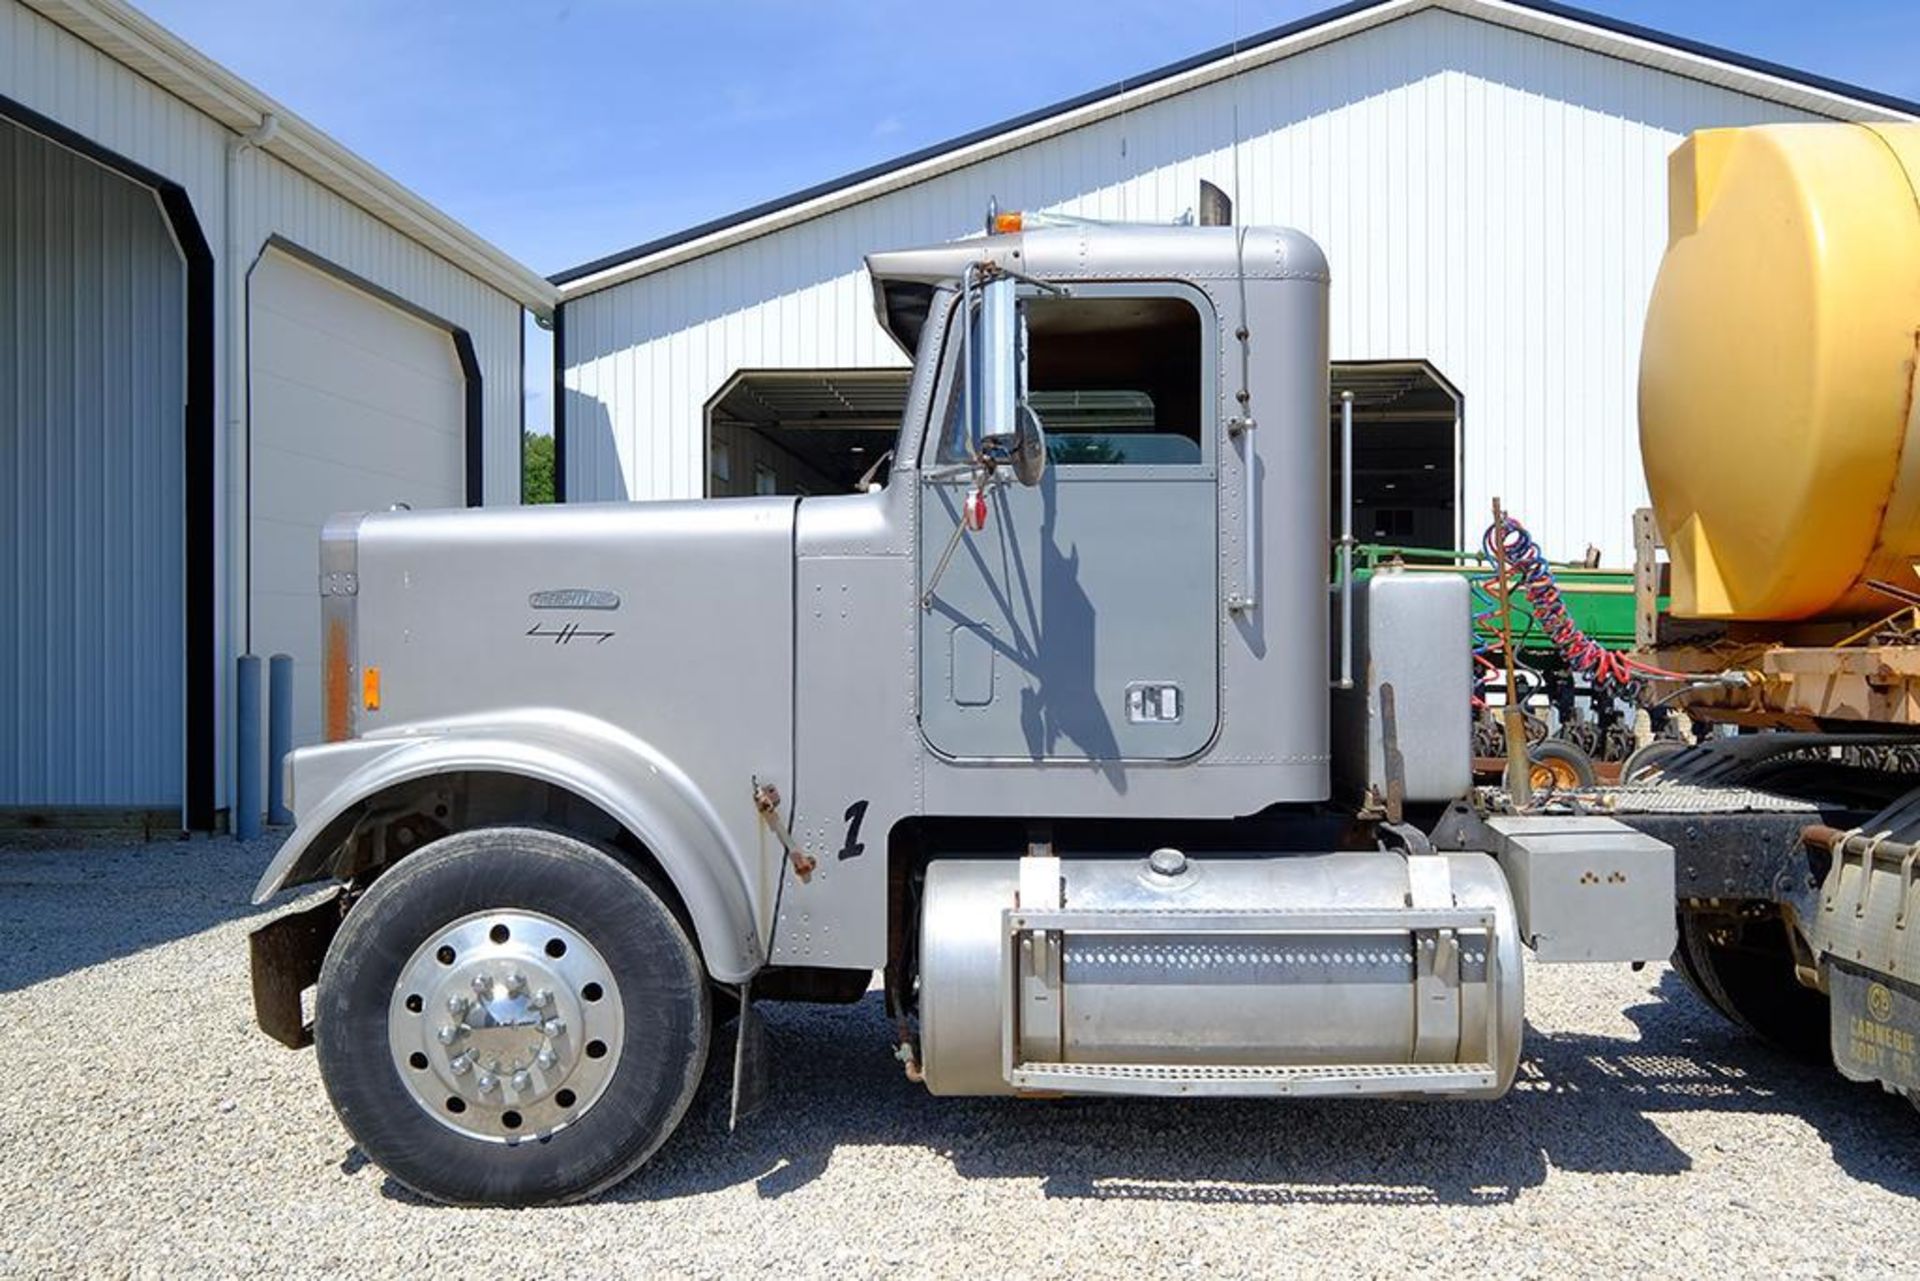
(1221, 921)
(1299, 1080)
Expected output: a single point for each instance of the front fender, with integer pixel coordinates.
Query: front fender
(624, 776)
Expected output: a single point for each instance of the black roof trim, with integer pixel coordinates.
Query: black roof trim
(1701, 49)
(1548, 7)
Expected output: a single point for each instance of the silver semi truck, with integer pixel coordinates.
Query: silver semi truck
(1048, 726)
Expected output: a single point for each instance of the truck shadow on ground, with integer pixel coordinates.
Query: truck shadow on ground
(70, 905)
(1583, 1102)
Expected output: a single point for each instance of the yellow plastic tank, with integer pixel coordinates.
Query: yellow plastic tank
(1778, 423)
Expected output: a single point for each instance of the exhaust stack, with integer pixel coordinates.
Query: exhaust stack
(1216, 207)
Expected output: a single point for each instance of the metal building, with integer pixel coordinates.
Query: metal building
(1488, 178)
(217, 326)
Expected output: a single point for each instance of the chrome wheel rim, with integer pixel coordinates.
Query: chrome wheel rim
(506, 1026)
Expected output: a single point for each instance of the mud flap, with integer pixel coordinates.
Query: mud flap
(750, 1064)
(286, 954)
(1876, 1027)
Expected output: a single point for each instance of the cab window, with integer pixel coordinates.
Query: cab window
(1115, 379)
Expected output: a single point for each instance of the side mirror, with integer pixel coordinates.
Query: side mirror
(1002, 421)
(1029, 447)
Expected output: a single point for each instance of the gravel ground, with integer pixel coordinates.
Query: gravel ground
(150, 1129)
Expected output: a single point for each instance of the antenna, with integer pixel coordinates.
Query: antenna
(1240, 232)
(1236, 105)
(1244, 421)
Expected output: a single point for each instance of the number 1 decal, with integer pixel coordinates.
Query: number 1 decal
(856, 814)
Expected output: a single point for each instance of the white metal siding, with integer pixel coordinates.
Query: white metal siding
(62, 77)
(92, 394)
(355, 406)
(1490, 200)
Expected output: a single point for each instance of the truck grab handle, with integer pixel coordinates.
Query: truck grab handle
(1345, 679)
(1248, 598)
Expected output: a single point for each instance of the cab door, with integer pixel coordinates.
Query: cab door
(1081, 623)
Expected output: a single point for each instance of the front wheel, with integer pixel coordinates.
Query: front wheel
(511, 1017)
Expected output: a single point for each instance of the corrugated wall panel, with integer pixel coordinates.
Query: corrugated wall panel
(92, 392)
(1490, 200)
(53, 73)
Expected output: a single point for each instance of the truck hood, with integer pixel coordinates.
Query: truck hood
(673, 620)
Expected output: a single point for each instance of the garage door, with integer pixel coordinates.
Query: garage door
(355, 405)
(92, 419)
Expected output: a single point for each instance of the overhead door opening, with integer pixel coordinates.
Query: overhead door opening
(354, 405)
(802, 431)
(808, 431)
(93, 586)
(1406, 449)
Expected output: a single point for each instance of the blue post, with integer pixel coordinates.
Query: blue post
(246, 774)
(279, 735)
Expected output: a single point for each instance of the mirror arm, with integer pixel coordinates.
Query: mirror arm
(926, 597)
(866, 478)
(986, 477)
(943, 473)
(987, 269)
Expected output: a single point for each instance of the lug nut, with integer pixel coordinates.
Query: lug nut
(482, 986)
(541, 999)
(448, 1034)
(554, 1027)
(488, 1084)
(521, 1082)
(461, 1064)
(458, 1005)
(545, 1058)
(516, 983)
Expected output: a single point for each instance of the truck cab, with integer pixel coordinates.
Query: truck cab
(1040, 727)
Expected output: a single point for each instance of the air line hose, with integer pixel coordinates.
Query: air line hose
(1613, 674)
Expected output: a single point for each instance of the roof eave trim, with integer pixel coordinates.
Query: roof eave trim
(994, 140)
(1544, 18)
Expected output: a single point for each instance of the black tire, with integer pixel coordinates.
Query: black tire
(1649, 759)
(1744, 969)
(1558, 757)
(662, 989)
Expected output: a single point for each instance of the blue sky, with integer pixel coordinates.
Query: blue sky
(566, 129)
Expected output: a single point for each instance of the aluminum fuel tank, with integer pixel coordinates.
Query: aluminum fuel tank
(1329, 974)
